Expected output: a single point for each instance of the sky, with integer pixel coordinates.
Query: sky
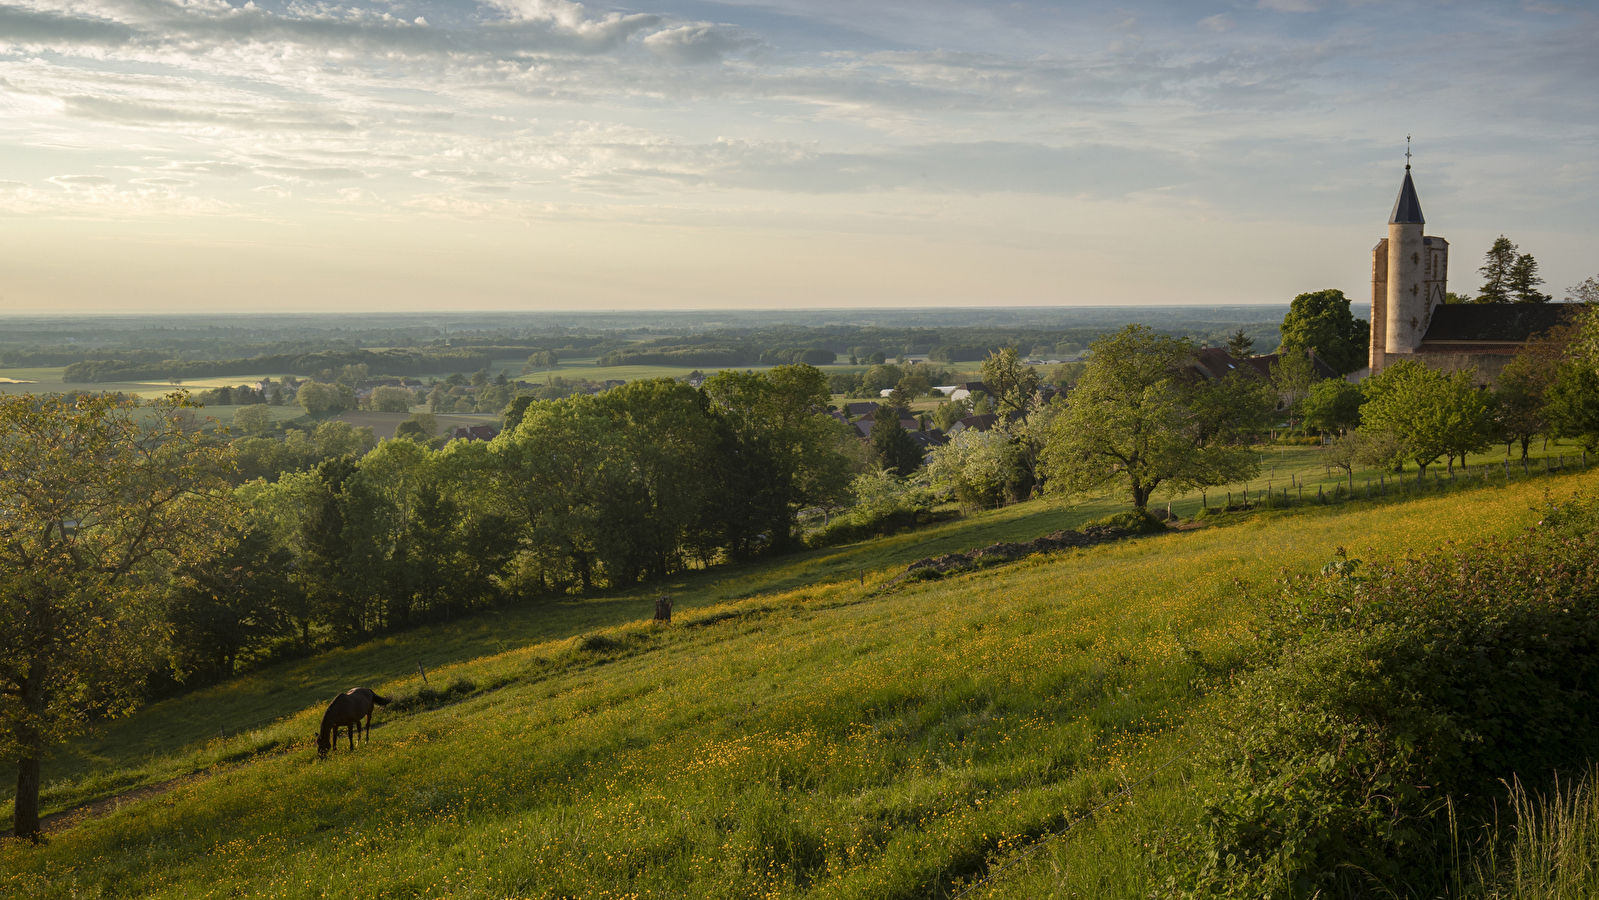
(372, 155)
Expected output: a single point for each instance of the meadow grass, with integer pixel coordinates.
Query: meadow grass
(829, 739)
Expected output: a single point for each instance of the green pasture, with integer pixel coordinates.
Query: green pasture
(793, 733)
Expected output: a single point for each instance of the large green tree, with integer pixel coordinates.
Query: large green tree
(1521, 391)
(1321, 321)
(1431, 414)
(778, 451)
(893, 449)
(102, 495)
(1332, 404)
(1142, 417)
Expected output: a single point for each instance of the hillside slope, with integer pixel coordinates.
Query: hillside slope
(832, 740)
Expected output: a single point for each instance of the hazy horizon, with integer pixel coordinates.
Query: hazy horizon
(363, 156)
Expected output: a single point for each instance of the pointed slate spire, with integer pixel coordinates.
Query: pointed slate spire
(1407, 209)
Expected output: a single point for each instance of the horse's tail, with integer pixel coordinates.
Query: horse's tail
(379, 699)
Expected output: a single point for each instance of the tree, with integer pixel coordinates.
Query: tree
(102, 495)
(1142, 417)
(1524, 281)
(980, 467)
(1012, 383)
(1496, 272)
(881, 377)
(1321, 321)
(254, 419)
(1522, 389)
(541, 359)
(893, 449)
(1573, 404)
(1586, 291)
(1572, 400)
(1332, 404)
(230, 605)
(946, 414)
(1429, 413)
(422, 427)
(914, 385)
(320, 399)
(777, 453)
(343, 439)
(661, 484)
(392, 399)
(1240, 345)
(1292, 376)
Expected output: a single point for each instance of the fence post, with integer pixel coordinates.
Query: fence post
(424, 674)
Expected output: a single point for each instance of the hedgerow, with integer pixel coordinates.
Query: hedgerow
(1382, 710)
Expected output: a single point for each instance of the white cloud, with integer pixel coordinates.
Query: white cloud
(1219, 23)
(75, 181)
(701, 42)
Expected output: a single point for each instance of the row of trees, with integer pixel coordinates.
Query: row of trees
(125, 546)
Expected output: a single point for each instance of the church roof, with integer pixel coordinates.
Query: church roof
(1407, 209)
(1497, 323)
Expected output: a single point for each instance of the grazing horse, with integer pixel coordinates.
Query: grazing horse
(348, 708)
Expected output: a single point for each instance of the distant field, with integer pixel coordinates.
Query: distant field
(48, 380)
(384, 423)
(797, 732)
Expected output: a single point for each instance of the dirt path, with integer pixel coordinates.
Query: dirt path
(61, 821)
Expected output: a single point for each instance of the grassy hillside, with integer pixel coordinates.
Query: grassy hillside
(793, 733)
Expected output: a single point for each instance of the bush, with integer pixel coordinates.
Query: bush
(1137, 521)
(883, 504)
(1576, 517)
(1376, 707)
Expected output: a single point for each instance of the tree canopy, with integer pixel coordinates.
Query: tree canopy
(1321, 321)
(101, 495)
(1431, 414)
(1142, 417)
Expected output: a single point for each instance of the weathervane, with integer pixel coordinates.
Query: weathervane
(1407, 153)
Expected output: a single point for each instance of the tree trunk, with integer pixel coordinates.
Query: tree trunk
(26, 818)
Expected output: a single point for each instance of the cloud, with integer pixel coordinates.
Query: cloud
(702, 42)
(305, 175)
(133, 112)
(164, 182)
(72, 181)
(32, 27)
(1218, 23)
(1297, 6)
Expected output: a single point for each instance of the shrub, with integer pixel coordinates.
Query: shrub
(1572, 518)
(1137, 521)
(883, 504)
(1376, 704)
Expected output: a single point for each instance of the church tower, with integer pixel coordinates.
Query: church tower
(1409, 275)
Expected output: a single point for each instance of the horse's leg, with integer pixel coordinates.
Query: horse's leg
(352, 738)
(368, 735)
